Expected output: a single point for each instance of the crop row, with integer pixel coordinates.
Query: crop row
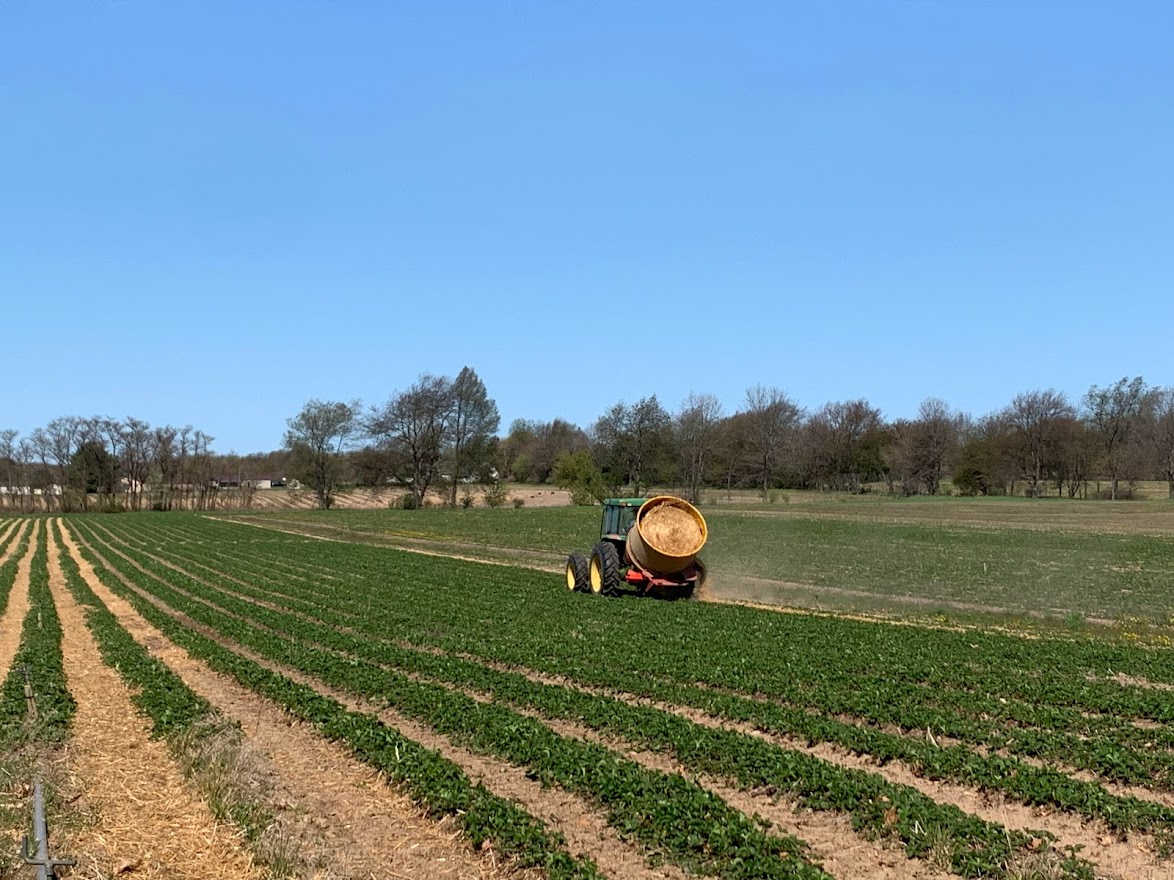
(38, 656)
(667, 813)
(1032, 785)
(1106, 744)
(1027, 783)
(8, 568)
(746, 649)
(440, 787)
(977, 848)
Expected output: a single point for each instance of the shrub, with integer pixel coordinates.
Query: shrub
(495, 495)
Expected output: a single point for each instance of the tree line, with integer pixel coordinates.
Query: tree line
(440, 436)
(1040, 443)
(103, 463)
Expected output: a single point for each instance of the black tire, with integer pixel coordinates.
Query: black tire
(577, 575)
(604, 570)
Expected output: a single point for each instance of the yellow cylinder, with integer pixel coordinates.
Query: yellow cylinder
(663, 541)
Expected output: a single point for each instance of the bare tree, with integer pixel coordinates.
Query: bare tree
(473, 421)
(8, 453)
(1035, 417)
(1113, 413)
(922, 449)
(317, 437)
(1158, 432)
(697, 426)
(1075, 456)
(136, 459)
(55, 445)
(198, 464)
(25, 456)
(415, 424)
(771, 418)
(633, 444)
(847, 441)
(111, 433)
(163, 468)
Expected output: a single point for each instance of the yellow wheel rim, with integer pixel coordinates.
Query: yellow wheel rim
(570, 577)
(596, 575)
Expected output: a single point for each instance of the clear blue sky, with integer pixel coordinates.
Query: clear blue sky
(212, 212)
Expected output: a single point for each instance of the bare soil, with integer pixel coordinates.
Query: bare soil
(370, 829)
(379, 499)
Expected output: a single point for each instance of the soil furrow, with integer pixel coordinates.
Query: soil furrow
(147, 819)
(585, 829)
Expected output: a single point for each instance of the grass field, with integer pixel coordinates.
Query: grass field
(1064, 560)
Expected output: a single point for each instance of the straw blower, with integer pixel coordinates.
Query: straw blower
(647, 546)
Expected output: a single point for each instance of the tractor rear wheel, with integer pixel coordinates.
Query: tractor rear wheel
(577, 575)
(604, 569)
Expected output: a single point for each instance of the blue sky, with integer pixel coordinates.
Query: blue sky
(212, 212)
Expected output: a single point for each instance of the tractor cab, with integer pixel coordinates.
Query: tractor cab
(619, 515)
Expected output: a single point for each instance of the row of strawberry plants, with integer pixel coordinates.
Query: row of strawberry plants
(977, 664)
(1029, 729)
(38, 656)
(1032, 785)
(439, 786)
(157, 691)
(10, 530)
(666, 812)
(978, 847)
(9, 566)
(1110, 758)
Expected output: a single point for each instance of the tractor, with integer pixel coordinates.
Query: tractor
(636, 556)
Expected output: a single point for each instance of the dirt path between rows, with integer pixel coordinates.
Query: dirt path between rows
(147, 819)
(372, 830)
(584, 827)
(18, 604)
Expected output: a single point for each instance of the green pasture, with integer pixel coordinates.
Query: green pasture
(1070, 560)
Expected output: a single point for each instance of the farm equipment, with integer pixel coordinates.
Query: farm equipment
(646, 545)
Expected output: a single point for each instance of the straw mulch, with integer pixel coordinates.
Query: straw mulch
(672, 530)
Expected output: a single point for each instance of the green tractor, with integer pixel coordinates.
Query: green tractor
(631, 557)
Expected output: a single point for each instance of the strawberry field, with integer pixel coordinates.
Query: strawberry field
(695, 738)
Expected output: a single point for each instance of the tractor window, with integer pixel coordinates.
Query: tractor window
(627, 517)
